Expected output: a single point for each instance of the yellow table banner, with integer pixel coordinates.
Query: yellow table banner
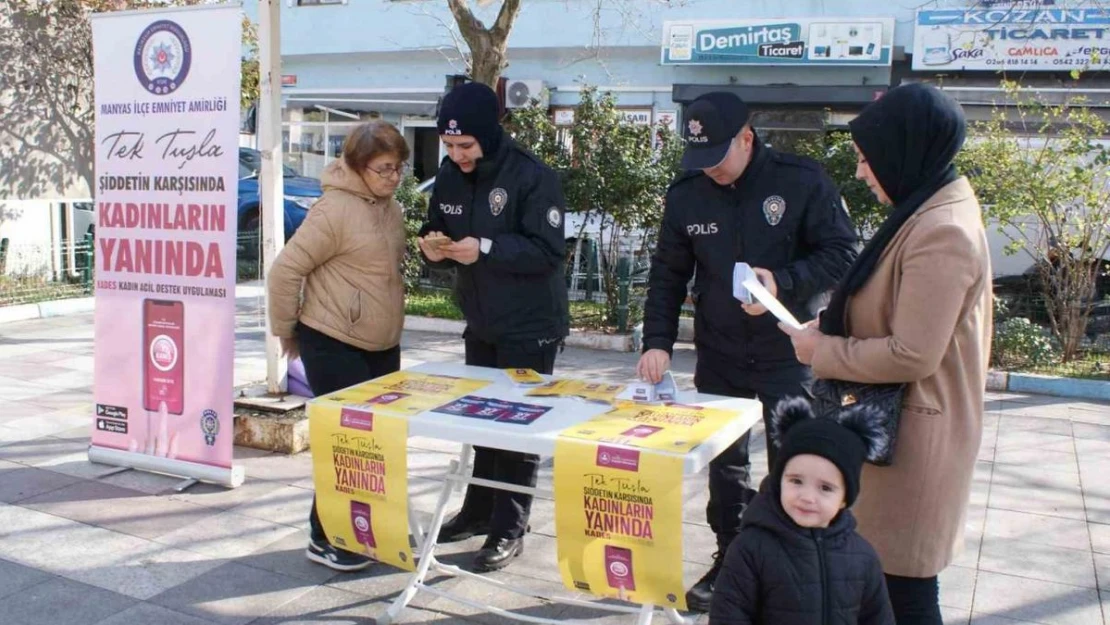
(673, 427)
(406, 394)
(618, 522)
(360, 470)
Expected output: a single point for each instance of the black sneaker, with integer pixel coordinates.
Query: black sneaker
(336, 559)
(700, 596)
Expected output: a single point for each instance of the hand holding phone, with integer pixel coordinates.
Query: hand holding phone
(438, 240)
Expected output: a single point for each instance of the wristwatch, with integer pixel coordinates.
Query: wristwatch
(485, 245)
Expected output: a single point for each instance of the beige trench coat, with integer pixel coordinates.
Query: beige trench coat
(924, 317)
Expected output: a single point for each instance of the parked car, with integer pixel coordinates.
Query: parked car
(84, 219)
(300, 193)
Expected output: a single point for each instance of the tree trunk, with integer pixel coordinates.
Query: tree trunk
(487, 45)
(486, 64)
(1070, 291)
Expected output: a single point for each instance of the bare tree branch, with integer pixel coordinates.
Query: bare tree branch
(510, 9)
(469, 26)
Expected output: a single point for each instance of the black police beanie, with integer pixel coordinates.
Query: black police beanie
(471, 109)
(853, 436)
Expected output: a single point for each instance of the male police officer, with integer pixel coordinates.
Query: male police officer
(781, 214)
(503, 210)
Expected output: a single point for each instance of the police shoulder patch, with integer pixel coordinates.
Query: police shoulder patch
(554, 216)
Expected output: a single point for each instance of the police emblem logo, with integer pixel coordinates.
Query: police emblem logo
(554, 216)
(210, 426)
(774, 208)
(695, 135)
(497, 200)
(163, 56)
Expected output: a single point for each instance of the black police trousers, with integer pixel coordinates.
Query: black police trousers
(730, 487)
(331, 365)
(507, 512)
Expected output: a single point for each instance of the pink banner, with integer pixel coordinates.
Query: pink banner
(167, 136)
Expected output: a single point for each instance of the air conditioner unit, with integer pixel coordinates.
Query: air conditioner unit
(519, 93)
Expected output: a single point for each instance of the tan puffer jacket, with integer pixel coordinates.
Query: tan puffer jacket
(348, 255)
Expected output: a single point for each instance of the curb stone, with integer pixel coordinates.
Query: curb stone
(1075, 388)
(78, 305)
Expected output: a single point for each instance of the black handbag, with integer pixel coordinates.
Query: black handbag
(832, 396)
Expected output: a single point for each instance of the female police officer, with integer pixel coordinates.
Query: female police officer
(503, 210)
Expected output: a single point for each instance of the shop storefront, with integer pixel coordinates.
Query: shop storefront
(839, 65)
(1057, 53)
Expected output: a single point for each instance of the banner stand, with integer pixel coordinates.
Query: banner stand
(166, 89)
(195, 472)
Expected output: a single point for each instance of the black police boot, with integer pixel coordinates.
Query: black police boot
(700, 594)
(496, 553)
(462, 526)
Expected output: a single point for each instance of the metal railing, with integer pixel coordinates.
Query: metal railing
(31, 273)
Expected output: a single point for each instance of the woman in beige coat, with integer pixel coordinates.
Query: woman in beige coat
(915, 308)
(347, 255)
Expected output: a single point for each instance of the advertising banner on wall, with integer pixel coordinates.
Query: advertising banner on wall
(167, 130)
(786, 41)
(1012, 38)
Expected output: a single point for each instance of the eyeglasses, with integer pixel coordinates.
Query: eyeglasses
(390, 172)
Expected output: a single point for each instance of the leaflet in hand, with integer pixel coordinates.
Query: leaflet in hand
(740, 273)
(777, 309)
(665, 391)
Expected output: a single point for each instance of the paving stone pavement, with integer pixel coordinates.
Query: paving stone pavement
(80, 548)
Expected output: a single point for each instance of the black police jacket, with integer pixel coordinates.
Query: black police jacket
(783, 214)
(776, 572)
(517, 292)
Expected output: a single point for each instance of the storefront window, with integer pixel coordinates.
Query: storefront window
(306, 148)
(784, 130)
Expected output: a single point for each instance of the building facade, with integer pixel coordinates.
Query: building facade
(803, 65)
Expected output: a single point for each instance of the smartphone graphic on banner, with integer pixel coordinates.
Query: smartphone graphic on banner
(360, 520)
(618, 567)
(164, 355)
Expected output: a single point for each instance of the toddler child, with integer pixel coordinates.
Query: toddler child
(798, 559)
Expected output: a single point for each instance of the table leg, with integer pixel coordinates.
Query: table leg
(674, 617)
(647, 610)
(464, 465)
(414, 526)
(427, 549)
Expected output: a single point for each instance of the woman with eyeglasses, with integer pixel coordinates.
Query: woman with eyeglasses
(347, 256)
